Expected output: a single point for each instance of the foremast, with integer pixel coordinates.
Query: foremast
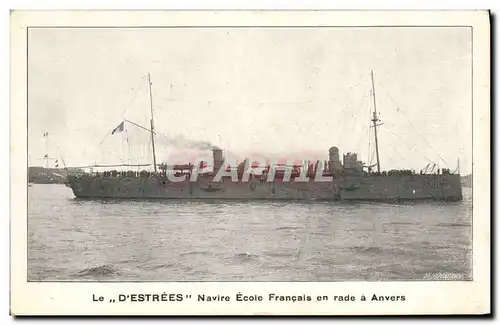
(152, 122)
(375, 121)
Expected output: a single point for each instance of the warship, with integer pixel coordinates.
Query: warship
(330, 180)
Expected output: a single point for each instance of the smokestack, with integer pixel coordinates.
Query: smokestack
(218, 158)
(334, 160)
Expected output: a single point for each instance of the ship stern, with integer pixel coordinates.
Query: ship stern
(452, 191)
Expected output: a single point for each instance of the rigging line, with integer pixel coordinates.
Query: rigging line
(142, 152)
(128, 145)
(135, 95)
(222, 102)
(348, 89)
(359, 141)
(123, 150)
(133, 98)
(138, 125)
(104, 138)
(411, 147)
(345, 109)
(411, 124)
(425, 140)
(369, 147)
(110, 165)
(368, 151)
(149, 148)
(100, 143)
(351, 121)
(107, 150)
(394, 149)
(391, 158)
(370, 104)
(363, 80)
(370, 144)
(114, 155)
(347, 97)
(360, 104)
(145, 149)
(354, 118)
(167, 137)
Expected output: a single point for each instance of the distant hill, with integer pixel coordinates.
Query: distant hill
(42, 175)
(466, 180)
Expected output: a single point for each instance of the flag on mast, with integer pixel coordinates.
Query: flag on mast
(119, 128)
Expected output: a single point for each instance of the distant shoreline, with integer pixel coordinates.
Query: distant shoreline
(42, 175)
(466, 180)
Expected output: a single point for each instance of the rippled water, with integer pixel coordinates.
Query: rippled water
(78, 240)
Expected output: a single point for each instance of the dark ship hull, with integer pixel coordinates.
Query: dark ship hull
(444, 187)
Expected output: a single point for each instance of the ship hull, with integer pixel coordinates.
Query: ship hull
(367, 188)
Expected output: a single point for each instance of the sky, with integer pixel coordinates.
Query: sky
(275, 92)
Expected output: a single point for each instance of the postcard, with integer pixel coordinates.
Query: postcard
(250, 162)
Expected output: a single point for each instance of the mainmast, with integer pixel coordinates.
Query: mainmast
(375, 119)
(152, 122)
